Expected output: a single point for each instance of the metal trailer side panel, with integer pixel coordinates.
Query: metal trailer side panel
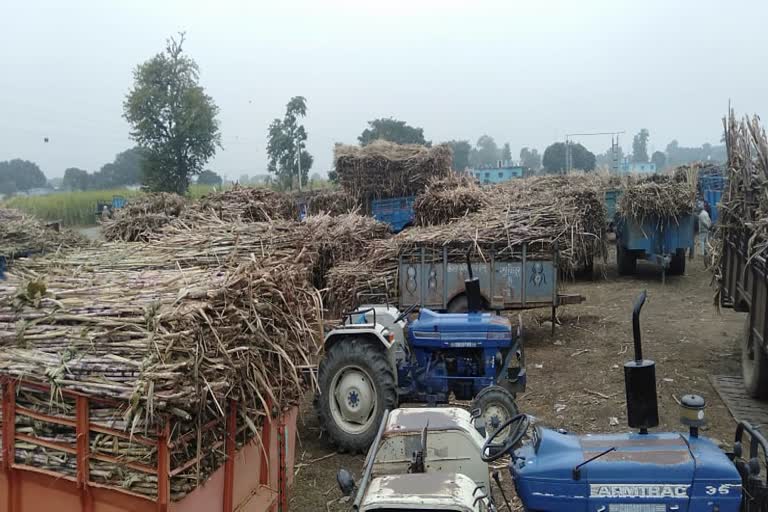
(251, 482)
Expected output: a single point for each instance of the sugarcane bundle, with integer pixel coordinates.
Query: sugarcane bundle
(574, 223)
(23, 235)
(658, 197)
(332, 202)
(744, 204)
(249, 204)
(383, 169)
(142, 216)
(447, 199)
(168, 346)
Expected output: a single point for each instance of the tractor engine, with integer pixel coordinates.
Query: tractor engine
(458, 353)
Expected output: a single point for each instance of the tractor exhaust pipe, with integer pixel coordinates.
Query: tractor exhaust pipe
(640, 380)
(472, 290)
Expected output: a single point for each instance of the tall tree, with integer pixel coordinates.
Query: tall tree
(506, 152)
(486, 152)
(19, 176)
(285, 140)
(172, 119)
(461, 150)
(530, 158)
(640, 146)
(76, 179)
(554, 157)
(208, 177)
(659, 159)
(393, 130)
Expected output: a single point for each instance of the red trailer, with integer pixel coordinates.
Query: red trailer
(248, 481)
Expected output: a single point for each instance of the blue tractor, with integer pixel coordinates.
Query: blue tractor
(557, 471)
(379, 358)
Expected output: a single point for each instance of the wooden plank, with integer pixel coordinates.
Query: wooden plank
(741, 406)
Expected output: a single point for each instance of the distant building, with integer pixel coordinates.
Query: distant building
(636, 167)
(501, 172)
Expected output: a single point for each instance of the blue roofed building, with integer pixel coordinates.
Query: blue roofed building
(501, 172)
(636, 167)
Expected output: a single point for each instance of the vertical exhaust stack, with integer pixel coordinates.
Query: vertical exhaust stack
(472, 289)
(640, 380)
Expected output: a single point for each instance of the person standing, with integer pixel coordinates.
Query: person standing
(705, 223)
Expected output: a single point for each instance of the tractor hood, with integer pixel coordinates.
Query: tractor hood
(471, 329)
(663, 471)
(422, 491)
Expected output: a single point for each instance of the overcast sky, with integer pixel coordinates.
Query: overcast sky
(524, 72)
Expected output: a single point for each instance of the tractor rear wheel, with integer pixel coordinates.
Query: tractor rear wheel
(754, 364)
(677, 265)
(357, 384)
(496, 406)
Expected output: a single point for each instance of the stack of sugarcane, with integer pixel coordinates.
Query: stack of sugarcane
(23, 235)
(142, 216)
(319, 243)
(659, 197)
(541, 213)
(383, 169)
(169, 345)
(331, 201)
(447, 199)
(248, 204)
(744, 205)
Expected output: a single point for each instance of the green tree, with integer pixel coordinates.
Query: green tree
(530, 158)
(392, 130)
(640, 146)
(76, 179)
(285, 139)
(506, 152)
(554, 157)
(461, 150)
(660, 159)
(19, 176)
(486, 152)
(208, 177)
(172, 119)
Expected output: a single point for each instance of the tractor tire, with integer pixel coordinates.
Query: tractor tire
(460, 304)
(626, 261)
(357, 384)
(677, 265)
(496, 406)
(754, 364)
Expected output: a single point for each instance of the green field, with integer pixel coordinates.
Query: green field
(78, 208)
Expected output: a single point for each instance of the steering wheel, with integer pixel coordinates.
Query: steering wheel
(407, 312)
(492, 451)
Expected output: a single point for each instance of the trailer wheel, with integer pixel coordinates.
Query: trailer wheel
(496, 406)
(754, 364)
(677, 265)
(357, 384)
(625, 260)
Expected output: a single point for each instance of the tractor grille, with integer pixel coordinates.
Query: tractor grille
(635, 507)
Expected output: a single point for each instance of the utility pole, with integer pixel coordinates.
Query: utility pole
(569, 153)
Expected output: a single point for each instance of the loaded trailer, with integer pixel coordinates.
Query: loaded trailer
(744, 288)
(660, 240)
(255, 476)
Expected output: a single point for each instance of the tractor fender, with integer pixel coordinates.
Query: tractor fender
(373, 335)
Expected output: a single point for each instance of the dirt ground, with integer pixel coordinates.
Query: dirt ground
(575, 378)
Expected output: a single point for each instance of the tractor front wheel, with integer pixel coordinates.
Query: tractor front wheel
(496, 406)
(357, 384)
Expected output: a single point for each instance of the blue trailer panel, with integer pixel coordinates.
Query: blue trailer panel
(662, 241)
(713, 198)
(611, 199)
(397, 212)
(434, 279)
